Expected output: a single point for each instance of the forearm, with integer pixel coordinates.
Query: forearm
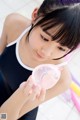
(13, 105)
(28, 106)
(55, 91)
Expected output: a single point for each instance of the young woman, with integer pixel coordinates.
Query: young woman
(52, 33)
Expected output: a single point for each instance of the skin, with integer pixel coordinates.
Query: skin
(47, 48)
(32, 55)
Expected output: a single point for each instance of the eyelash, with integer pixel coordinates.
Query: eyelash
(44, 38)
(60, 48)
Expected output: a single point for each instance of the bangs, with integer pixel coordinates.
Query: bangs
(67, 23)
(63, 34)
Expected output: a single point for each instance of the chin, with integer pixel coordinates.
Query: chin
(40, 60)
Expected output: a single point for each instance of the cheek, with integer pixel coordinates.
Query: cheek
(58, 54)
(34, 41)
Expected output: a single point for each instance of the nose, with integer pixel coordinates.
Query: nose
(47, 51)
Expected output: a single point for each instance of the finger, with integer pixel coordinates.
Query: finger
(31, 80)
(35, 92)
(22, 85)
(42, 95)
(38, 90)
(28, 86)
(28, 89)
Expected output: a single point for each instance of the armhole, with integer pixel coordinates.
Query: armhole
(19, 38)
(12, 43)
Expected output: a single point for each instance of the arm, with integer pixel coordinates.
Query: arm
(12, 105)
(24, 93)
(13, 26)
(3, 38)
(62, 85)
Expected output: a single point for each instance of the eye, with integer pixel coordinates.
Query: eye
(44, 38)
(62, 49)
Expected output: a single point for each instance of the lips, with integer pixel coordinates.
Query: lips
(40, 56)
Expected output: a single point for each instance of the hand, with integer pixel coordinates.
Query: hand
(32, 91)
(34, 95)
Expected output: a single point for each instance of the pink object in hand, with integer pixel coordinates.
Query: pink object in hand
(46, 75)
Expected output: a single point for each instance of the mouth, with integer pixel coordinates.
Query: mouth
(40, 56)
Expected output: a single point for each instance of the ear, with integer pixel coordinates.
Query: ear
(34, 14)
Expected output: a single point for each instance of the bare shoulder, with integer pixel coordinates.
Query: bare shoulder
(65, 78)
(65, 74)
(15, 24)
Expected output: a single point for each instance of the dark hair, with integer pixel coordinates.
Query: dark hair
(49, 5)
(63, 14)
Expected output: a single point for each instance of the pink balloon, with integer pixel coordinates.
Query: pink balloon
(46, 75)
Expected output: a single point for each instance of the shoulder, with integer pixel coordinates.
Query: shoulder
(65, 78)
(15, 24)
